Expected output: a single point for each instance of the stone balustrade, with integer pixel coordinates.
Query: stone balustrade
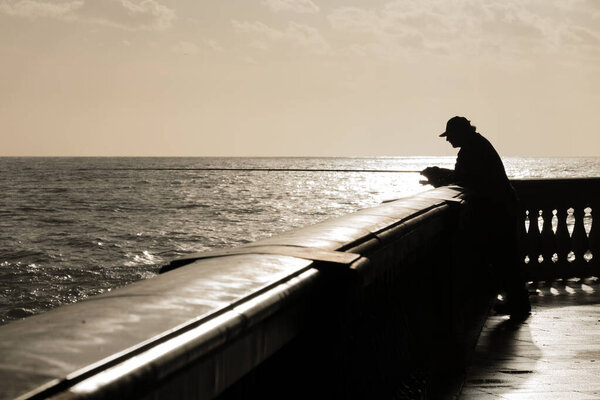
(558, 236)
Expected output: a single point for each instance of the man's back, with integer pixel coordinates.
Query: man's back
(480, 169)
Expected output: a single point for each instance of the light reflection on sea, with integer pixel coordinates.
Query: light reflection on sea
(75, 227)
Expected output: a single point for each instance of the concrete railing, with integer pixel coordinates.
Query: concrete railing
(358, 306)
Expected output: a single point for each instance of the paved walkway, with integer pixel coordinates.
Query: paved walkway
(555, 354)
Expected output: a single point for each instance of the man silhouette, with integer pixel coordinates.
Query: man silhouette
(493, 200)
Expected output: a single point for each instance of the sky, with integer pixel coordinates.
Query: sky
(297, 77)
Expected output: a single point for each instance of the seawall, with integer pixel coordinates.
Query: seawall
(358, 306)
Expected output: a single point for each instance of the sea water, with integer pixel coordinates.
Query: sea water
(76, 227)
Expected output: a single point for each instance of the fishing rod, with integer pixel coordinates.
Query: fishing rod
(258, 169)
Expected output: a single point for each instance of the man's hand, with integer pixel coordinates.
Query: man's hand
(437, 176)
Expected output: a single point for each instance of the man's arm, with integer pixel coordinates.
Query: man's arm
(437, 176)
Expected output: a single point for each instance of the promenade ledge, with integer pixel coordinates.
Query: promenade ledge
(381, 303)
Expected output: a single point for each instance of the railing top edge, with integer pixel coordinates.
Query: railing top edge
(558, 192)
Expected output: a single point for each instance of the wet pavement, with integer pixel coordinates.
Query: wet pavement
(554, 354)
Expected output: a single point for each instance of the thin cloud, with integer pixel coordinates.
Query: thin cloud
(40, 9)
(355, 19)
(579, 35)
(186, 48)
(470, 26)
(213, 44)
(298, 6)
(124, 14)
(128, 14)
(298, 35)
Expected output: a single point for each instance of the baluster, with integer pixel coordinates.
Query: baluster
(523, 221)
(533, 242)
(579, 240)
(563, 239)
(548, 245)
(594, 241)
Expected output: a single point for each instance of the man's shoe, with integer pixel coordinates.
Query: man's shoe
(517, 312)
(501, 309)
(520, 315)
